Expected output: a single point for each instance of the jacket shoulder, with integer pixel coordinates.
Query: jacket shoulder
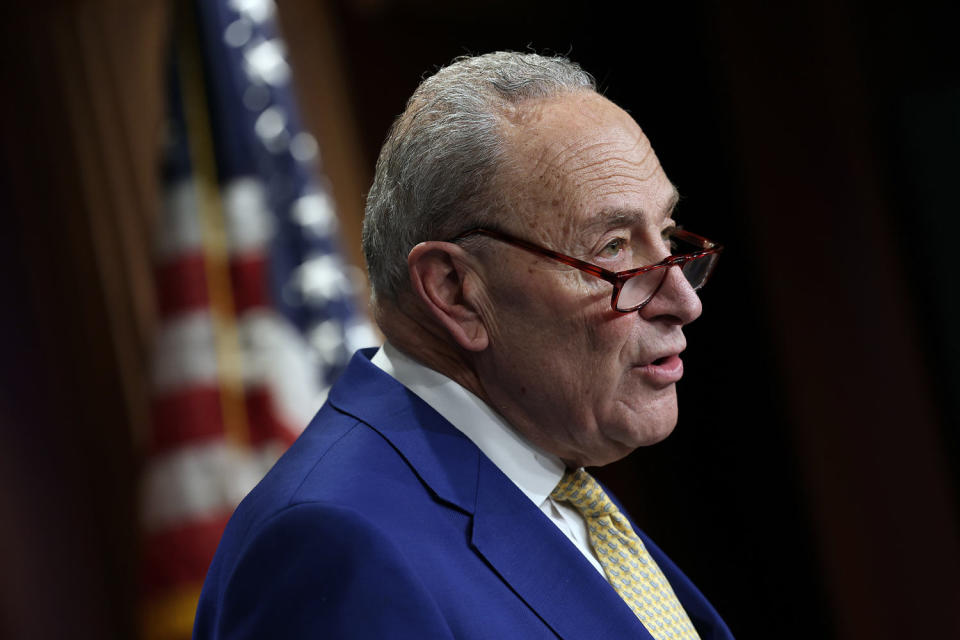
(312, 568)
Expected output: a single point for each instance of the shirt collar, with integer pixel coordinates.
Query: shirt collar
(534, 471)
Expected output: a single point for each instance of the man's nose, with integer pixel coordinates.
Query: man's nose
(675, 301)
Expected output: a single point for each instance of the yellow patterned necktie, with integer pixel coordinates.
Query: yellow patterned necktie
(625, 561)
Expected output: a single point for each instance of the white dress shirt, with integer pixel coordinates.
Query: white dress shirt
(535, 472)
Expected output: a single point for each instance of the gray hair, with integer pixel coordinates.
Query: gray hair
(436, 170)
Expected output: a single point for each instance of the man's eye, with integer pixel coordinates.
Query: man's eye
(612, 249)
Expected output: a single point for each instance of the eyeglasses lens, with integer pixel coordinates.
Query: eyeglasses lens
(637, 290)
(697, 271)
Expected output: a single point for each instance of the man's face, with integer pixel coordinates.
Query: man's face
(580, 380)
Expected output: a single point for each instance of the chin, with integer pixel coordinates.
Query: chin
(628, 428)
(647, 434)
(657, 434)
(622, 440)
(650, 423)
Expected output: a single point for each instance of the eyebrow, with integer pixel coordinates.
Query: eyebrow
(616, 218)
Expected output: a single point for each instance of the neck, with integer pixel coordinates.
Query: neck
(415, 334)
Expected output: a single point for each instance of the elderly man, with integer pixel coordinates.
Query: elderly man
(533, 287)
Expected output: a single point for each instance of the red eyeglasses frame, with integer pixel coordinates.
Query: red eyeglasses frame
(616, 278)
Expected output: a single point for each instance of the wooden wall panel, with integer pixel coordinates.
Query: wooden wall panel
(80, 126)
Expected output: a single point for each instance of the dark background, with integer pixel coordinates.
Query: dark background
(810, 489)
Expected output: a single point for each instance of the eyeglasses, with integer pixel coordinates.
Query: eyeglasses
(634, 288)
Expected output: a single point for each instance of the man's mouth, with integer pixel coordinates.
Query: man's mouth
(666, 357)
(663, 370)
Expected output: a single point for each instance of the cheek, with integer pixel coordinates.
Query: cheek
(649, 407)
(608, 334)
(557, 319)
(503, 299)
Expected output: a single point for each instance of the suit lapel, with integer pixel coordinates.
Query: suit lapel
(541, 565)
(529, 553)
(443, 458)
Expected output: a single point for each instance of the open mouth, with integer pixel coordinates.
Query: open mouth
(664, 370)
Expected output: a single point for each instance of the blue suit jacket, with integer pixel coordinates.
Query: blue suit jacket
(384, 521)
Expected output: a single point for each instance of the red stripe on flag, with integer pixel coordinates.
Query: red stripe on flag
(265, 423)
(181, 555)
(187, 415)
(194, 414)
(249, 275)
(182, 285)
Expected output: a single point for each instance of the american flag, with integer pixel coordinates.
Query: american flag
(257, 306)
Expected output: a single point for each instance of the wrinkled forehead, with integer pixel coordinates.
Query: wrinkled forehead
(573, 158)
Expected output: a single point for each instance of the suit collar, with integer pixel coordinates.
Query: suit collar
(523, 547)
(534, 471)
(519, 542)
(443, 458)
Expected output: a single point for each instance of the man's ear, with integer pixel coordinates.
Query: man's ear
(437, 271)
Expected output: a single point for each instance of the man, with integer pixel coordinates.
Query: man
(440, 493)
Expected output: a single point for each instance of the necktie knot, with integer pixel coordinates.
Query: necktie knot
(584, 493)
